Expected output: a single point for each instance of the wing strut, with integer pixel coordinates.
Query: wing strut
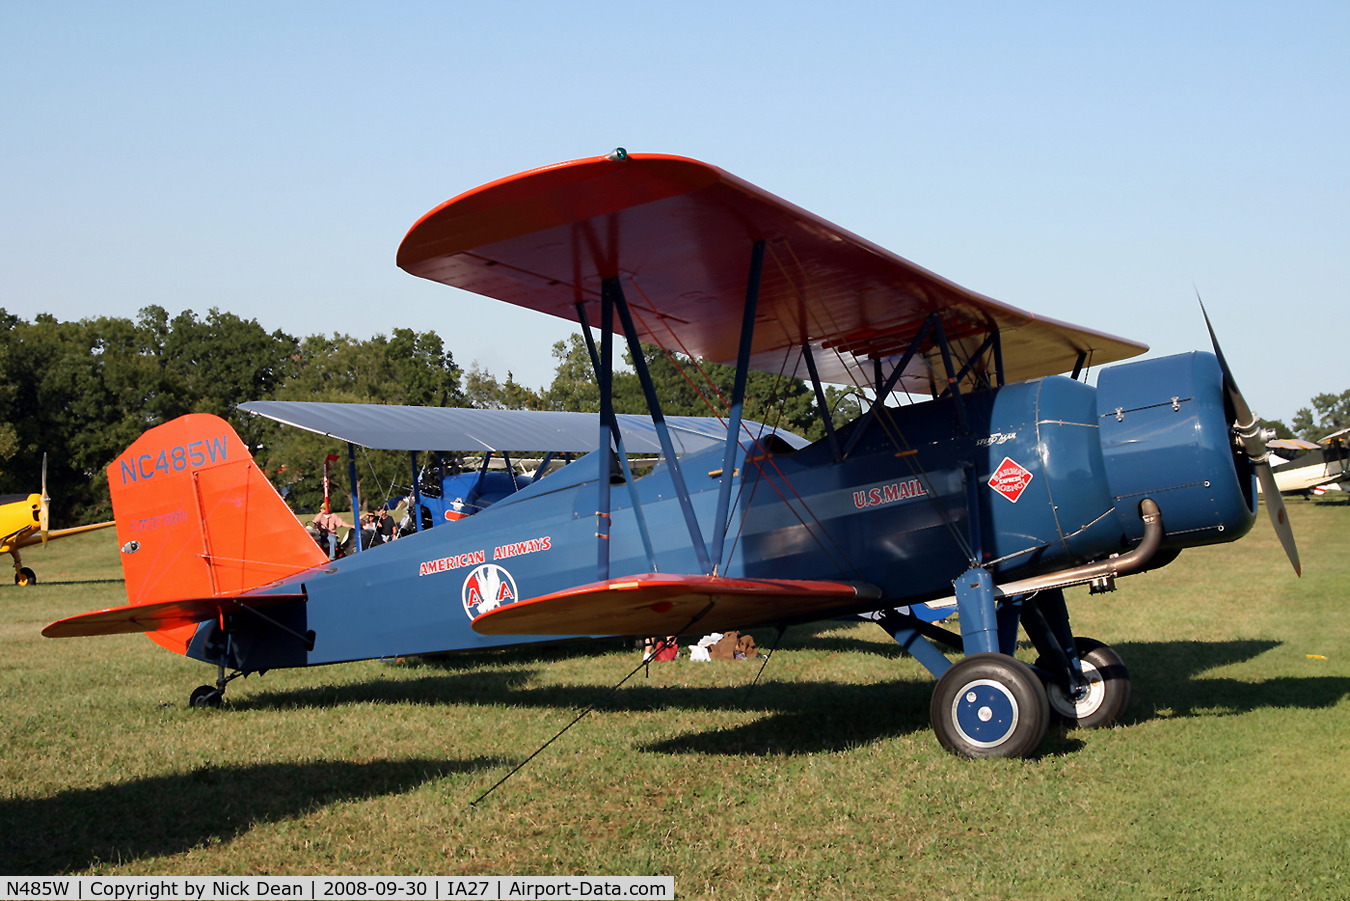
(821, 403)
(899, 369)
(416, 494)
(608, 424)
(1078, 366)
(585, 323)
(356, 500)
(952, 377)
(477, 491)
(633, 499)
(737, 402)
(998, 358)
(659, 421)
(982, 378)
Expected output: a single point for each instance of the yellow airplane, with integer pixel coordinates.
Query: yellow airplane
(23, 523)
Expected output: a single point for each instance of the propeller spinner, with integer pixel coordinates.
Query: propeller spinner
(1253, 440)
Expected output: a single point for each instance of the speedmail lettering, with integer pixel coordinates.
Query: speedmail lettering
(445, 564)
(889, 494)
(169, 460)
(534, 545)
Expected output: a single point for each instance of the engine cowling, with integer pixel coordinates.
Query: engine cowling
(1165, 434)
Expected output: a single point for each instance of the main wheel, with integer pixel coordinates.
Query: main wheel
(1108, 691)
(205, 696)
(25, 576)
(990, 705)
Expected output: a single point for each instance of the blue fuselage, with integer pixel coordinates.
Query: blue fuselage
(1050, 472)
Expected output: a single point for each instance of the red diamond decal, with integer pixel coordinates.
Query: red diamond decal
(1010, 479)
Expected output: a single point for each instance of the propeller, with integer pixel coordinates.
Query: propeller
(45, 504)
(1253, 440)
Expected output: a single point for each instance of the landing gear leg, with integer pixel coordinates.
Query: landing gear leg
(1087, 683)
(212, 695)
(1107, 688)
(22, 574)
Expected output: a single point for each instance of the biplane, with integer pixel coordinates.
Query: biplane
(1303, 467)
(980, 476)
(24, 523)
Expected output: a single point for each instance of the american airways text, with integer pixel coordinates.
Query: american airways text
(474, 558)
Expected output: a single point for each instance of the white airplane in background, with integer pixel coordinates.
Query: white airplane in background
(1305, 466)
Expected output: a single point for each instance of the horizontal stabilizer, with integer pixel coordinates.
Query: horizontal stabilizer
(153, 617)
(664, 604)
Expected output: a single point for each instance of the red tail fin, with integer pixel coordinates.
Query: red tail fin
(197, 518)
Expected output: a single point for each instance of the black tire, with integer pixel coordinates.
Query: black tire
(990, 705)
(205, 696)
(25, 576)
(1109, 688)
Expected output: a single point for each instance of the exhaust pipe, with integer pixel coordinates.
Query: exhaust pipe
(1102, 571)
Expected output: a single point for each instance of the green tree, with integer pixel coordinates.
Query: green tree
(212, 365)
(485, 393)
(423, 369)
(573, 388)
(59, 405)
(81, 392)
(1332, 415)
(411, 368)
(408, 368)
(9, 437)
(685, 390)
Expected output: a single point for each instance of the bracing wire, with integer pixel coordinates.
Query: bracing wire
(594, 704)
(375, 476)
(892, 432)
(761, 455)
(767, 657)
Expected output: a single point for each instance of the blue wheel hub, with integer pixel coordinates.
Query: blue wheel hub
(984, 713)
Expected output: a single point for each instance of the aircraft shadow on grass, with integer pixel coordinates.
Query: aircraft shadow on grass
(1168, 676)
(173, 814)
(824, 716)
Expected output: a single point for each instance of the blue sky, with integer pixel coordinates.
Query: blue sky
(1089, 162)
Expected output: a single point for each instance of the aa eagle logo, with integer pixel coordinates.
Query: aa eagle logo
(488, 587)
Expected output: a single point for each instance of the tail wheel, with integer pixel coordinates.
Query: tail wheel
(990, 705)
(1108, 692)
(25, 576)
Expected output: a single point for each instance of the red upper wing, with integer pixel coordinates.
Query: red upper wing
(679, 233)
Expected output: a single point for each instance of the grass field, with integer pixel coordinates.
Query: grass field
(1229, 778)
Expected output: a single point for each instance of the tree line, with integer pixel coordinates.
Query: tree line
(81, 392)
